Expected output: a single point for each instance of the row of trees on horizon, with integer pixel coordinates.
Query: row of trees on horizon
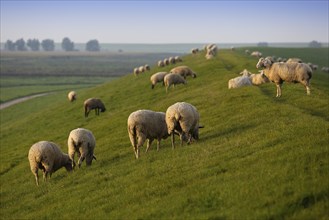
(47, 45)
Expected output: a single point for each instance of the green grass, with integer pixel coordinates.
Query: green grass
(258, 157)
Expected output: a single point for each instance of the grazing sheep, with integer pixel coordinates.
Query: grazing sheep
(194, 50)
(313, 66)
(183, 118)
(166, 61)
(239, 81)
(256, 54)
(48, 157)
(178, 59)
(157, 77)
(141, 69)
(161, 63)
(136, 71)
(146, 124)
(172, 60)
(147, 67)
(325, 69)
(93, 103)
(184, 71)
(72, 96)
(173, 79)
(82, 142)
(289, 72)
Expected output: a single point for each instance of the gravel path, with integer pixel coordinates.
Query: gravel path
(19, 100)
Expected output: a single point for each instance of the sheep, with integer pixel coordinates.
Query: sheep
(147, 67)
(325, 69)
(256, 54)
(136, 71)
(173, 79)
(72, 96)
(146, 124)
(183, 118)
(161, 63)
(166, 61)
(141, 69)
(313, 66)
(172, 60)
(289, 72)
(194, 50)
(157, 77)
(239, 81)
(247, 52)
(48, 157)
(183, 71)
(178, 59)
(82, 142)
(93, 103)
(255, 79)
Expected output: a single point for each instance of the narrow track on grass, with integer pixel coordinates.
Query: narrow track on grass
(22, 99)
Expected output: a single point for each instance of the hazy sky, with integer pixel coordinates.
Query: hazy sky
(166, 21)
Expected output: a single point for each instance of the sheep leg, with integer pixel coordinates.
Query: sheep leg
(278, 90)
(81, 159)
(173, 140)
(158, 144)
(149, 143)
(71, 155)
(35, 172)
(140, 142)
(86, 112)
(308, 90)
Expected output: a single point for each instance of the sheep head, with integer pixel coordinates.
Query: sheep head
(264, 62)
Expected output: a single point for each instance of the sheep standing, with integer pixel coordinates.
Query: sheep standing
(256, 54)
(161, 63)
(194, 50)
(289, 72)
(146, 124)
(173, 79)
(147, 67)
(82, 142)
(172, 60)
(183, 118)
(93, 103)
(157, 77)
(136, 71)
(48, 157)
(178, 59)
(72, 96)
(184, 71)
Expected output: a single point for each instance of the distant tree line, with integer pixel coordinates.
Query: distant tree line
(47, 45)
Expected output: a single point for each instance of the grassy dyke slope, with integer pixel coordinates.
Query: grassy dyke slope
(258, 157)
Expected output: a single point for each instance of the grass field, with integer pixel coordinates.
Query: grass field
(258, 157)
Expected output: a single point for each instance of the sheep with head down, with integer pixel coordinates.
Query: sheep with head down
(48, 157)
(184, 71)
(93, 103)
(286, 72)
(157, 78)
(146, 124)
(72, 96)
(173, 79)
(183, 118)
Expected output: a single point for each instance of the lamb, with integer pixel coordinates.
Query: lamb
(146, 124)
(184, 71)
(48, 157)
(173, 79)
(183, 118)
(72, 96)
(289, 72)
(157, 77)
(93, 103)
(161, 63)
(83, 142)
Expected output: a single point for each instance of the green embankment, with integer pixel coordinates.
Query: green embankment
(258, 157)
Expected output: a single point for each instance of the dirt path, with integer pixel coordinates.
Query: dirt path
(19, 100)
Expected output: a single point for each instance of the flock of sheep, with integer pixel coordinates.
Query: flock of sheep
(180, 119)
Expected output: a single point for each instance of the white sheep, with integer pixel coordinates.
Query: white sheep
(172, 60)
(289, 72)
(48, 157)
(173, 79)
(256, 54)
(239, 81)
(146, 124)
(93, 103)
(184, 71)
(178, 59)
(183, 118)
(136, 71)
(325, 69)
(255, 79)
(166, 61)
(82, 142)
(147, 67)
(194, 50)
(161, 63)
(157, 77)
(141, 69)
(72, 96)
